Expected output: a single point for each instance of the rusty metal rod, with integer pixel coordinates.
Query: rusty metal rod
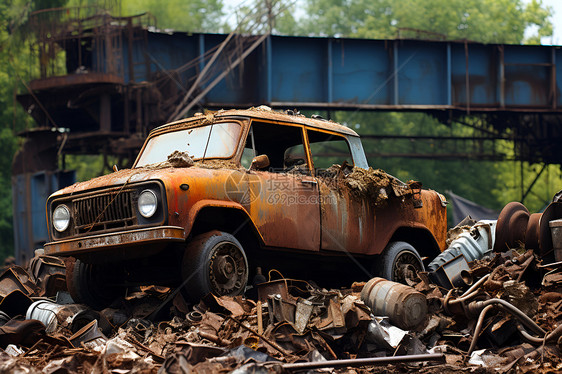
(477, 330)
(272, 344)
(476, 285)
(440, 357)
(550, 337)
(214, 338)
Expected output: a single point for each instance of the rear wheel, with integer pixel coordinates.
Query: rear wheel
(215, 263)
(91, 284)
(399, 261)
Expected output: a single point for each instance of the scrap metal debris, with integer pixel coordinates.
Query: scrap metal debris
(506, 319)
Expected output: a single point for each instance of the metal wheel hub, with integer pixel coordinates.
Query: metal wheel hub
(224, 268)
(227, 269)
(406, 265)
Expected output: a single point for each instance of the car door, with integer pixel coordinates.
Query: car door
(286, 209)
(348, 222)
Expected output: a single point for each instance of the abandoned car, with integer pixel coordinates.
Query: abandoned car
(212, 197)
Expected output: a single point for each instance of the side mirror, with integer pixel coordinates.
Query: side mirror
(259, 162)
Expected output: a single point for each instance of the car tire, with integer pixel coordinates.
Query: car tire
(88, 284)
(397, 257)
(214, 262)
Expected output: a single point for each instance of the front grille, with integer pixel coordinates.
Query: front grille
(104, 211)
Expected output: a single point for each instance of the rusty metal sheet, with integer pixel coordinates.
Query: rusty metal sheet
(16, 278)
(49, 274)
(356, 225)
(73, 80)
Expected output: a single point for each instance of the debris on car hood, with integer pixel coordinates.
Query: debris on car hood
(180, 159)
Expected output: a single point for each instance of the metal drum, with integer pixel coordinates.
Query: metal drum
(53, 316)
(405, 307)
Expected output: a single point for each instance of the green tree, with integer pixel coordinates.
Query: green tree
(487, 21)
(258, 16)
(181, 15)
(15, 61)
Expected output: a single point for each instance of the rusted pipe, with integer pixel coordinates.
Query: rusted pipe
(528, 322)
(476, 285)
(553, 335)
(469, 294)
(213, 338)
(528, 337)
(477, 329)
(485, 306)
(440, 357)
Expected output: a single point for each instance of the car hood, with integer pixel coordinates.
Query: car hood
(126, 176)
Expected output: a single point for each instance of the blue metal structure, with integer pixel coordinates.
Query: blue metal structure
(30, 192)
(371, 74)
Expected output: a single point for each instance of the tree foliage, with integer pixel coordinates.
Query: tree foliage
(181, 15)
(276, 16)
(14, 59)
(487, 21)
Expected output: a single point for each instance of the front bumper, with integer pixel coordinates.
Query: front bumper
(102, 242)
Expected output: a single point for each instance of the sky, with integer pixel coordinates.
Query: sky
(556, 20)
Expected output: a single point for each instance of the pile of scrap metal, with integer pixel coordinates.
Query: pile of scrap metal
(481, 306)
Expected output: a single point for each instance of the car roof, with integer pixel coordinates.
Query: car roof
(266, 113)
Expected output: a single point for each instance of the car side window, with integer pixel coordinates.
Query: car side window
(328, 149)
(247, 157)
(282, 144)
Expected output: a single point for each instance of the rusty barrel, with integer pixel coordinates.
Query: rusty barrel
(404, 306)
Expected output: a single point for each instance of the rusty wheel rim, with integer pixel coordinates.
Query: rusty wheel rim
(511, 226)
(227, 270)
(406, 265)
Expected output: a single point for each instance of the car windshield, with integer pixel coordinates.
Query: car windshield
(218, 140)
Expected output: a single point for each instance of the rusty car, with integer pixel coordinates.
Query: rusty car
(213, 197)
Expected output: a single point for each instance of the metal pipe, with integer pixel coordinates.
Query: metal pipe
(523, 318)
(528, 322)
(528, 337)
(478, 328)
(470, 293)
(476, 285)
(553, 335)
(213, 338)
(440, 357)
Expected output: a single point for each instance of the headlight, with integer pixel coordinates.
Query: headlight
(147, 203)
(61, 218)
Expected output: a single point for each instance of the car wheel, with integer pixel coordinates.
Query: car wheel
(215, 263)
(399, 260)
(90, 284)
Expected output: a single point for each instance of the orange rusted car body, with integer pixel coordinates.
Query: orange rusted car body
(284, 210)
